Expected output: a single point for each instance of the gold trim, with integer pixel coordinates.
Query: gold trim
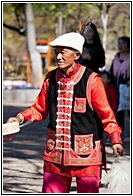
(22, 118)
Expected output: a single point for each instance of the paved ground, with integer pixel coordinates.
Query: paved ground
(22, 157)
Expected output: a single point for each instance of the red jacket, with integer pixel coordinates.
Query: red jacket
(97, 100)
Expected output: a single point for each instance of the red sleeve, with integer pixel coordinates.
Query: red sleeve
(39, 110)
(104, 111)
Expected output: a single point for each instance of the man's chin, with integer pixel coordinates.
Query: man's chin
(61, 65)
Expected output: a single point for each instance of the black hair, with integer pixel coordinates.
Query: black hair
(96, 37)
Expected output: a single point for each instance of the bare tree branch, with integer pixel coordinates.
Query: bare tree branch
(21, 31)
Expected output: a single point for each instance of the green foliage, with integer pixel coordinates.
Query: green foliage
(46, 16)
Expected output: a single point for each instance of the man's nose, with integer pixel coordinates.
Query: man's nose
(59, 56)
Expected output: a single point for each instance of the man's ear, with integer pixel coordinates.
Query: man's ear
(77, 55)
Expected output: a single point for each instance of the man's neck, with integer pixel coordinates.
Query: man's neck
(72, 70)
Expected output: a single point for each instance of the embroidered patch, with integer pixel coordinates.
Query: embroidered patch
(80, 105)
(50, 140)
(83, 144)
(50, 144)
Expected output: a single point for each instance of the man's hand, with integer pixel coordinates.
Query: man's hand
(117, 150)
(11, 120)
(14, 119)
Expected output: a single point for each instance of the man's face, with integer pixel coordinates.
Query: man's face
(65, 57)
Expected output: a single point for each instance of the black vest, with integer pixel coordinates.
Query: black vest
(81, 123)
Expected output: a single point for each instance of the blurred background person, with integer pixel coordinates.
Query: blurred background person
(120, 72)
(93, 55)
(110, 89)
(111, 95)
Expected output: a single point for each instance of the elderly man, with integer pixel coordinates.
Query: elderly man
(75, 99)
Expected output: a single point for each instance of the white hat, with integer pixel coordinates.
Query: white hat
(72, 40)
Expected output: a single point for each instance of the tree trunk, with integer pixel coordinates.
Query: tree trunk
(35, 57)
(59, 25)
(104, 21)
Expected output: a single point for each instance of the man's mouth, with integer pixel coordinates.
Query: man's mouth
(60, 63)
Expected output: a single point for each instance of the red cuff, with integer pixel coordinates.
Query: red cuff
(115, 138)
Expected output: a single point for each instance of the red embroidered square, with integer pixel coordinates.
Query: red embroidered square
(83, 144)
(80, 105)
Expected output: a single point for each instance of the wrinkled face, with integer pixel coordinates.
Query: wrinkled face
(66, 57)
(89, 34)
(123, 46)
